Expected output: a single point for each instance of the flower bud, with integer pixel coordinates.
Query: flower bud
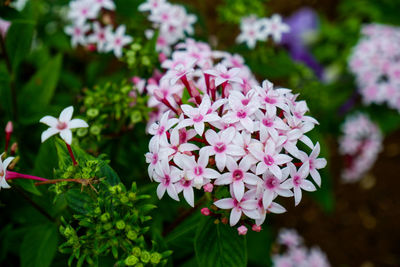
(242, 230)
(155, 258)
(145, 257)
(256, 228)
(132, 235)
(9, 127)
(208, 187)
(120, 225)
(131, 260)
(136, 251)
(205, 211)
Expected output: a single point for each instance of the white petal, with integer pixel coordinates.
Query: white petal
(66, 114)
(226, 203)
(77, 123)
(48, 133)
(297, 195)
(50, 121)
(189, 196)
(67, 136)
(238, 189)
(160, 191)
(235, 216)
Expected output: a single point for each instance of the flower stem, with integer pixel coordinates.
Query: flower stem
(71, 154)
(15, 175)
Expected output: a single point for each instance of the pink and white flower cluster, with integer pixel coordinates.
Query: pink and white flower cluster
(297, 255)
(253, 29)
(172, 21)
(226, 130)
(87, 30)
(376, 64)
(360, 144)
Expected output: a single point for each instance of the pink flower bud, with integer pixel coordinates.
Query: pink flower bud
(208, 187)
(162, 57)
(9, 127)
(135, 80)
(91, 47)
(242, 230)
(205, 211)
(152, 81)
(256, 228)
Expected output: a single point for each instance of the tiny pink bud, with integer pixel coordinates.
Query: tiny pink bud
(205, 211)
(133, 94)
(135, 79)
(256, 228)
(162, 57)
(208, 187)
(242, 230)
(224, 220)
(9, 127)
(152, 81)
(91, 47)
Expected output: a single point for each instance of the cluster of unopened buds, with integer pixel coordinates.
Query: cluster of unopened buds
(172, 21)
(93, 28)
(376, 64)
(253, 29)
(297, 255)
(226, 131)
(360, 145)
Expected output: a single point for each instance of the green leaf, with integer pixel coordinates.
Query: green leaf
(219, 245)
(78, 201)
(36, 95)
(46, 160)
(28, 185)
(18, 41)
(39, 246)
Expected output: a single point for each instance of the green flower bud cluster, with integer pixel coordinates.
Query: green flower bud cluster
(141, 57)
(114, 226)
(233, 10)
(111, 110)
(89, 169)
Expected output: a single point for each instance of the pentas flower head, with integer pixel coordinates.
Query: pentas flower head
(3, 170)
(255, 29)
(62, 125)
(376, 64)
(172, 21)
(87, 28)
(296, 254)
(360, 145)
(214, 131)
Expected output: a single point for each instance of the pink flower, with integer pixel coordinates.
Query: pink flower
(117, 40)
(198, 116)
(78, 33)
(314, 163)
(247, 206)
(62, 125)
(196, 170)
(186, 186)
(289, 238)
(238, 176)
(99, 36)
(221, 146)
(223, 75)
(159, 129)
(269, 159)
(273, 187)
(166, 176)
(298, 181)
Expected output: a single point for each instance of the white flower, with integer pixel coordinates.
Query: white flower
(3, 169)
(62, 125)
(78, 33)
(117, 40)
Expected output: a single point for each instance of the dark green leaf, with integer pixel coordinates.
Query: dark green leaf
(39, 246)
(219, 245)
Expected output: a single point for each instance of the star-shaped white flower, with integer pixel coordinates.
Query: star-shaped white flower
(3, 169)
(62, 125)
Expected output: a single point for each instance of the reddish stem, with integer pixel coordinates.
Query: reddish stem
(8, 137)
(187, 85)
(71, 154)
(15, 175)
(166, 102)
(201, 140)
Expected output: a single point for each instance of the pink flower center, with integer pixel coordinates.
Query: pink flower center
(182, 137)
(225, 76)
(271, 182)
(237, 175)
(312, 165)
(118, 41)
(154, 159)
(219, 147)
(102, 36)
(61, 125)
(268, 122)
(268, 160)
(161, 130)
(270, 100)
(186, 183)
(297, 180)
(241, 114)
(245, 102)
(198, 118)
(167, 180)
(198, 170)
(77, 31)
